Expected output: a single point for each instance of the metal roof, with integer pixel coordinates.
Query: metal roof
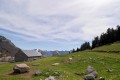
(32, 53)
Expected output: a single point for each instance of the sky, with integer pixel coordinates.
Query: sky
(56, 24)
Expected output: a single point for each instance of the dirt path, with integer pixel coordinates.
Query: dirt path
(22, 75)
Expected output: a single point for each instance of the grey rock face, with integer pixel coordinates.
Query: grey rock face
(7, 47)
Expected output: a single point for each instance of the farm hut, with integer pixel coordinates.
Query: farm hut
(27, 55)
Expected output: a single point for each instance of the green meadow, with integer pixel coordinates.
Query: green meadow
(70, 70)
(110, 47)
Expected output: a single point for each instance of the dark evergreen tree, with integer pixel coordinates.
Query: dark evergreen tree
(73, 51)
(118, 32)
(77, 50)
(95, 42)
(110, 36)
(85, 46)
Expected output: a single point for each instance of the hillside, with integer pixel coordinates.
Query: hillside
(74, 70)
(7, 47)
(112, 47)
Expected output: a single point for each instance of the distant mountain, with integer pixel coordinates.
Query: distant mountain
(51, 53)
(7, 47)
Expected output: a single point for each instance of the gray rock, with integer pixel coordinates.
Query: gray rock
(35, 64)
(89, 77)
(101, 78)
(55, 64)
(38, 73)
(95, 74)
(57, 73)
(108, 69)
(21, 68)
(7, 47)
(90, 69)
(50, 78)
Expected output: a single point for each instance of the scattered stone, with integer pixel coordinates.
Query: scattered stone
(101, 78)
(89, 77)
(49, 70)
(47, 73)
(57, 73)
(55, 64)
(21, 68)
(108, 69)
(50, 78)
(90, 69)
(70, 59)
(35, 64)
(38, 73)
(95, 74)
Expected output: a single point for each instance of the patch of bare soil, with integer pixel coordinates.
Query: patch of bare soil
(21, 75)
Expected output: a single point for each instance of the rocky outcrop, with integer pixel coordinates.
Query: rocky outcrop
(7, 47)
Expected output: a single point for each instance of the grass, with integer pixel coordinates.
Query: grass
(68, 70)
(111, 47)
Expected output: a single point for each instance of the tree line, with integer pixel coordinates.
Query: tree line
(110, 36)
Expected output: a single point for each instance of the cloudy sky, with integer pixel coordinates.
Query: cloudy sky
(56, 24)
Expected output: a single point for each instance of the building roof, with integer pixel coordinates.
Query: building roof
(32, 53)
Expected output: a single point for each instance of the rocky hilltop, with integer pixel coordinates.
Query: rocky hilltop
(7, 47)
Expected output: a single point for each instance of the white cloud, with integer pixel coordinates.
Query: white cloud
(59, 20)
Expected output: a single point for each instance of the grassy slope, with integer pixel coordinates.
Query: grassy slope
(112, 47)
(81, 60)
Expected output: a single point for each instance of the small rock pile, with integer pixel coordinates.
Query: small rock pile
(92, 74)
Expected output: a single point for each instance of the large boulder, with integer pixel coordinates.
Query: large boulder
(21, 68)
